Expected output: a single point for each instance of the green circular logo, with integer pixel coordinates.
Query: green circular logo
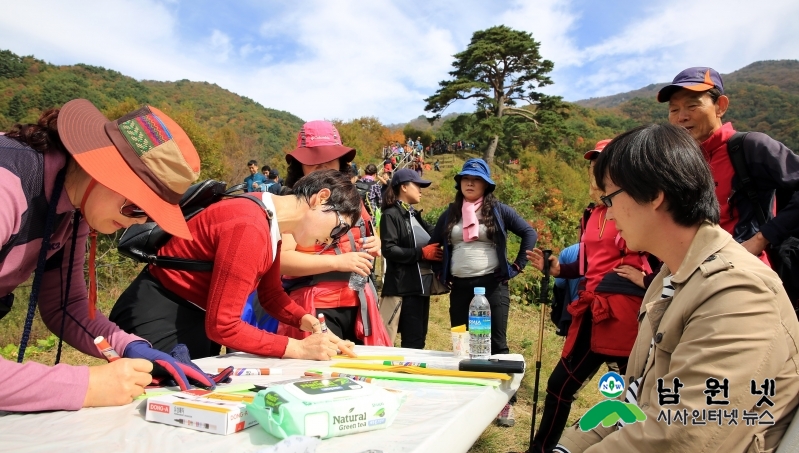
(611, 385)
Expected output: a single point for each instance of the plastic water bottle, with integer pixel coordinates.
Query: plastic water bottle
(479, 326)
(357, 281)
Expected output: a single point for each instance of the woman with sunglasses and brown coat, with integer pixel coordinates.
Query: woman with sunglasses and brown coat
(317, 276)
(62, 180)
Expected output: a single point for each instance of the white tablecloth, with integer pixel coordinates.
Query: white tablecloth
(434, 418)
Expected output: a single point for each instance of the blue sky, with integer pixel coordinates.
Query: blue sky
(348, 58)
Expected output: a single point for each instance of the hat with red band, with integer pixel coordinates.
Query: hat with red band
(694, 79)
(319, 142)
(144, 156)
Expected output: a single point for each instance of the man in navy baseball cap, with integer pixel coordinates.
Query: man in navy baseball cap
(695, 79)
(697, 102)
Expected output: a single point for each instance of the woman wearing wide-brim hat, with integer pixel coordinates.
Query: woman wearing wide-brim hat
(71, 173)
(474, 234)
(317, 277)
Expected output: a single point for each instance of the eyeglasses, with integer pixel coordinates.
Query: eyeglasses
(132, 211)
(607, 200)
(341, 229)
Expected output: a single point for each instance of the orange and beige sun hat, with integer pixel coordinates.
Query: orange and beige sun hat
(144, 156)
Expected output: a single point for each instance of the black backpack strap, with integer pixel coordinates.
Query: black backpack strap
(182, 264)
(735, 148)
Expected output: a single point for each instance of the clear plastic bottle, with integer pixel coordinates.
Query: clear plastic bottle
(479, 326)
(357, 281)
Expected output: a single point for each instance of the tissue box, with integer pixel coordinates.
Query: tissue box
(201, 410)
(325, 408)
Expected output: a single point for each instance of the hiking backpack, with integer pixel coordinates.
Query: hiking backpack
(784, 258)
(367, 189)
(141, 242)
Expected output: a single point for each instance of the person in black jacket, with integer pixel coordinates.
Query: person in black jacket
(404, 236)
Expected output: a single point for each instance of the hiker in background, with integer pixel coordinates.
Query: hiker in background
(71, 173)
(435, 166)
(696, 101)
(715, 326)
(253, 182)
(203, 310)
(473, 231)
(265, 171)
(369, 188)
(273, 184)
(317, 276)
(409, 274)
(604, 316)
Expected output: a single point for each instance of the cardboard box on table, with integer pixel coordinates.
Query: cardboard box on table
(201, 410)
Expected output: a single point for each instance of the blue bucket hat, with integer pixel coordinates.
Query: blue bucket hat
(479, 168)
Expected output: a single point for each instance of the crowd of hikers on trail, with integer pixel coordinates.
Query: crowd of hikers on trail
(683, 279)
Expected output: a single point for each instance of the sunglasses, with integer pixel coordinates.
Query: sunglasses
(607, 200)
(132, 211)
(341, 229)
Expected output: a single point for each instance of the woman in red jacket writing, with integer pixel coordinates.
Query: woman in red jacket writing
(203, 311)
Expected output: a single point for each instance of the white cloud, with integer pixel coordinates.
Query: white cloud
(355, 59)
(551, 22)
(349, 58)
(136, 38)
(220, 46)
(673, 35)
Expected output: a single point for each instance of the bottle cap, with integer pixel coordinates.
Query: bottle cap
(479, 290)
(321, 317)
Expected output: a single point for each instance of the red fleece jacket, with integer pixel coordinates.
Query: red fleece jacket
(235, 235)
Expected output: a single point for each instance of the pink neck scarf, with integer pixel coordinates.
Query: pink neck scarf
(469, 214)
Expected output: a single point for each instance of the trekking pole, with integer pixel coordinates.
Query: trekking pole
(544, 298)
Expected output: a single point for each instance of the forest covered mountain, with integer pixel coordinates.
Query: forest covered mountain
(232, 128)
(241, 127)
(764, 97)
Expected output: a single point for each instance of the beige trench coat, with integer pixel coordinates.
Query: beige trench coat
(729, 318)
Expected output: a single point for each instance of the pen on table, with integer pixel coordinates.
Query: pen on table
(253, 371)
(399, 363)
(337, 374)
(105, 349)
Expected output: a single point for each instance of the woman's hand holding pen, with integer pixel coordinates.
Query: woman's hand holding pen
(309, 323)
(536, 258)
(315, 347)
(345, 347)
(118, 382)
